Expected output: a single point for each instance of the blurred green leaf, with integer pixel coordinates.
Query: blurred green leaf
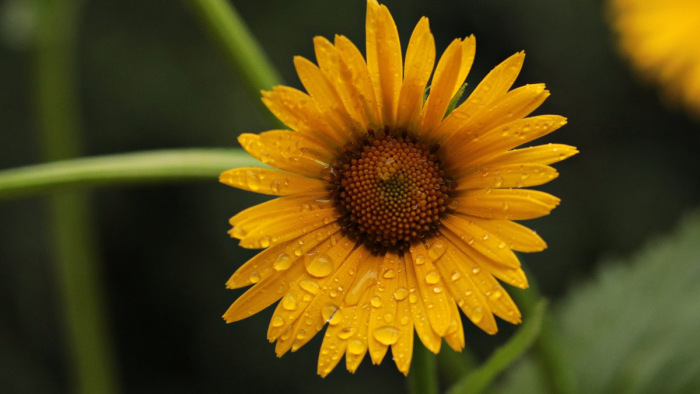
(478, 380)
(635, 327)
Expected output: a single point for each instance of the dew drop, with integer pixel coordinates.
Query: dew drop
(376, 302)
(432, 277)
(319, 266)
(412, 298)
(289, 302)
(275, 186)
(277, 321)
(501, 245)
(420, 259)
(310, 286)
(389, 317)
(437, 289)
(346, 333)
(486, 237)
(388, 274)
(477, 315)
(436, 250)
(496, 294)
(265, 241)
(400, 293)
(254, 277)
(453, 204)
(405, 320)
(356, 347)
(252, 180)
(386, 335)
(282, 262)
(476, 270)
(455, 275)
(298, 252)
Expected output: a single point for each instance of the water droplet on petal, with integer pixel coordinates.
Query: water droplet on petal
(476, 270)
(456, 275)
(277, 321)
(252, 180)
(412, 298)
(437, 289)
(346, 333)
(388, 274)
(432, 277)
(254, 277)
(356, 346)
(389, 317)
(265, 241)
(386, 335)
(282, 262)
(289, 302)
(436, 250)
(400, 293)
(420, 259)
(298, 252)
(310, 286)
(477, 315)
(376, 302)
(319, 266)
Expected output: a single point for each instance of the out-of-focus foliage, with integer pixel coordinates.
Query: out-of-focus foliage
(634, 328)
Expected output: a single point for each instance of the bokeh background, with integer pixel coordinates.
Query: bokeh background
(150, 77)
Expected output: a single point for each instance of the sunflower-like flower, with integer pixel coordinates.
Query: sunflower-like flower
(660, 38)
(392, 214)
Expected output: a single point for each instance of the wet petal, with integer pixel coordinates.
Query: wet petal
(383, 330)
(267, 181)
(431, 288)
(361, 80)
(289, 227)
(444, 81)
(420, 59)
(505, 176)
(511, 204)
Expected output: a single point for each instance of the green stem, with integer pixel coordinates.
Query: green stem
(241, 48)
(422, 378)
(546, 351)
(71, 229)
(125, 168)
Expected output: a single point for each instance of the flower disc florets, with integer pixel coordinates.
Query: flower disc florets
(390, 190)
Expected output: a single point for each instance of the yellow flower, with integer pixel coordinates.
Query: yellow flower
(661, 39)
(392, 214)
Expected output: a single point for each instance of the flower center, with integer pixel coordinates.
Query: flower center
(390, 191)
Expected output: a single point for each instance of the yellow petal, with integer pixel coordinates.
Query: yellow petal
(361, 80)
(297, 164)
(501, 139)
(383, 327)
(384, 59)
(513, 275)
(326, 99)
(267, 181)
(277, 258)
(431, 287)
(263, 294)
(341, 77)
(468, 52)
(455, 337)
(516, 104)
(443, 84)
(357, 345)
(491, 89)
(505, 176)
(425, 331)
(458, 273)
(294, 144)
(511, 204)
(320, 288)
(402, 350)
(420, 59)
(257, 215)
(289, 227)
(298, 110)
(479, 239)
(517, 236)
(541, 154)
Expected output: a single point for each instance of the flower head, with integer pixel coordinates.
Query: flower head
(660, 38)
(392, 215)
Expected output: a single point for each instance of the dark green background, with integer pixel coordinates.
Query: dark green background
(151, 78)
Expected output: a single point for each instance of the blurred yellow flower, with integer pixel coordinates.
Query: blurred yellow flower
(661, 39)
(393, 214)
